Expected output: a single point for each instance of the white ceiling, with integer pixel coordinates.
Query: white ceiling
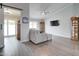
(10, 13)
(36, 9)
(23, 6)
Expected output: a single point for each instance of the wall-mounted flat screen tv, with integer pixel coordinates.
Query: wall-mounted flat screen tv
(54, 23)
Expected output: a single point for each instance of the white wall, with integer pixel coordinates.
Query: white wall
(25, 27)
(25, 13)
(64, 16)
(76, 9)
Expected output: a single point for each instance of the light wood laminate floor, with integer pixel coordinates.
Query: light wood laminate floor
(58, 46)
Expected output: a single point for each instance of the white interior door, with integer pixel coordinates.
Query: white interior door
(1, 27)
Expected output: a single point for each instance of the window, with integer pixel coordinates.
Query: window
(33, 24)
(9, 27)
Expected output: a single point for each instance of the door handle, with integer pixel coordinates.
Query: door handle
(1, 26)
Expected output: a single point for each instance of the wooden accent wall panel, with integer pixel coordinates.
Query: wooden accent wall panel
(42, 25)
(75, 28)
(18, 30)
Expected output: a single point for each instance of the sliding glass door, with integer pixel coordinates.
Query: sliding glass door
(9, 28)
(11, 16)
(5, 28)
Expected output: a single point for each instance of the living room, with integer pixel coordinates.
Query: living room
(46, 30)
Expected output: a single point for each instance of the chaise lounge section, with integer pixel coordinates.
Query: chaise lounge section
(37, 37)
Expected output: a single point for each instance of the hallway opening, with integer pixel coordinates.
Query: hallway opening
(11, 21)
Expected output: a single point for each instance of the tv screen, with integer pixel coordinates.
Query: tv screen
(54, 23)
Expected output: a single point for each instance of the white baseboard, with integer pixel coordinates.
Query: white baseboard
(24, 41)
(63, 36)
